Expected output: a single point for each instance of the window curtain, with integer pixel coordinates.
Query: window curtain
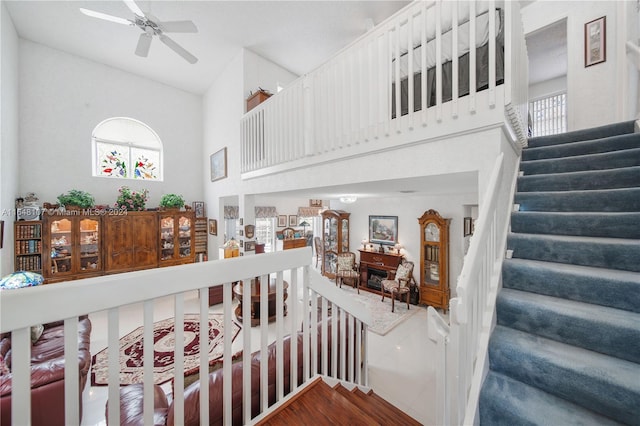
(309, 211)
(231, 212)
(265, 212)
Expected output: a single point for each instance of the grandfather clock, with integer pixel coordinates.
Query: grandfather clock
(434, 260)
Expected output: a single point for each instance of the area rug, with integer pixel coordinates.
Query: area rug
(383, 319)
(131, 350)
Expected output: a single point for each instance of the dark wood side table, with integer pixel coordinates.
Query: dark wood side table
(238, 292)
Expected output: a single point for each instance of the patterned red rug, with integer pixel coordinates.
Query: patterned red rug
(131, 357)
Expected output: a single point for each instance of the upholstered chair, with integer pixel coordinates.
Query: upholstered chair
(400, 284)
(317, 242)
(346, 267)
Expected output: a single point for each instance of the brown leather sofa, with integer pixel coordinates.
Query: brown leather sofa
(131, 397)
(47, 373)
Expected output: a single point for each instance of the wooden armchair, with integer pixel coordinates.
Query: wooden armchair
(346, 267)
(400, 284)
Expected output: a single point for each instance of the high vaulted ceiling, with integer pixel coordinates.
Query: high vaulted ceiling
(298, 35)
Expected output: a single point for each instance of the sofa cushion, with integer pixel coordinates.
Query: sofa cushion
(36, 332)
(4, 369)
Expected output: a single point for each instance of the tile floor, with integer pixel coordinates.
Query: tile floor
(401, 369)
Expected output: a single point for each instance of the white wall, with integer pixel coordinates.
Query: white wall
(8, 134)
(62, 99)
(592, 91)
(223, 105)
(262, 73)
(547, 88)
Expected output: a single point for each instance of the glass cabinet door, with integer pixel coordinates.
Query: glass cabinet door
(184, 236)
(345, 235)
(90, 245)
(167, 245)
(62, 256)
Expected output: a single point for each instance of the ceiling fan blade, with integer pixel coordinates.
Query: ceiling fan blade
(144, 43)
(178, 27)
(106, 17)
(134, 8)
(178, 49)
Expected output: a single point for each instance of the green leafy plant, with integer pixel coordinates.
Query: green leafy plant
(78, 198)
(131, 200)
(171, 201)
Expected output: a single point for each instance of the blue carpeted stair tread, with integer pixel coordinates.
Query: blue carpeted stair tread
(584, 134)
(566, 345)
(606, 200)
(594, 146)
(591, 162)
(508, 402)
(610, 253)
(598, 328)
(592, 224)
(606, 287)
(627, 177)
(607, 385)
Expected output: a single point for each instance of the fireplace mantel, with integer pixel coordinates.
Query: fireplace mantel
(373, 260)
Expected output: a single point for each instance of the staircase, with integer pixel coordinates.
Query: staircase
(321, 404)
(566, 346)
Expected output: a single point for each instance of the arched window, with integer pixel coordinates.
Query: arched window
(125, 148)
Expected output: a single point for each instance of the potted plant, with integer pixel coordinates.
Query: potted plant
(129, 199)
(171, 201)
(76, 199)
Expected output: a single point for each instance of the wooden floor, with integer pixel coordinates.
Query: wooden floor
(321, 404)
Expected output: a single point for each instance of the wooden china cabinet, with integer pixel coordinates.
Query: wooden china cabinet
(131, 241)
(72, 245)
(177, 233)
(335, 239)
(434, 260)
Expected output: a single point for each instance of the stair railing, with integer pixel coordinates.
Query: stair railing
(462, 345)
(138, 293)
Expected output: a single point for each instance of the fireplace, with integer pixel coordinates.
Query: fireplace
(375, 267)
(375, 277)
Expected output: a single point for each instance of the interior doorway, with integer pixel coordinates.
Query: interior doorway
(548, 97)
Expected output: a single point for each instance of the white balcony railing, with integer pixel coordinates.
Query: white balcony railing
(309, 301)
(350, 102)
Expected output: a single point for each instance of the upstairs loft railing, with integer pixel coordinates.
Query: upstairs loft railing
(350, 101)
(313, 304)
(462, 343)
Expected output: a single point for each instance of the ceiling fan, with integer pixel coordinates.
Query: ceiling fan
(150, 27)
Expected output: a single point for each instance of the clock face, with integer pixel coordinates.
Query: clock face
(432, 232)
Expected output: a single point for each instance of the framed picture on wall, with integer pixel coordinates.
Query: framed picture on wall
(213, 226)
(595, 41)
(282, 221)
(293, 220)
(198, 207)
(383, 229)
(219, 165)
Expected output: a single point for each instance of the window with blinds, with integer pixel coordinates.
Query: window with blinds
(549, 115)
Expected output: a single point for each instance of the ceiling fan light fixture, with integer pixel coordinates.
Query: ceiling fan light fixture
(348, 199)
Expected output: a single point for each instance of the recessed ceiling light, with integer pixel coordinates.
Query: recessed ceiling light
(348, 199)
